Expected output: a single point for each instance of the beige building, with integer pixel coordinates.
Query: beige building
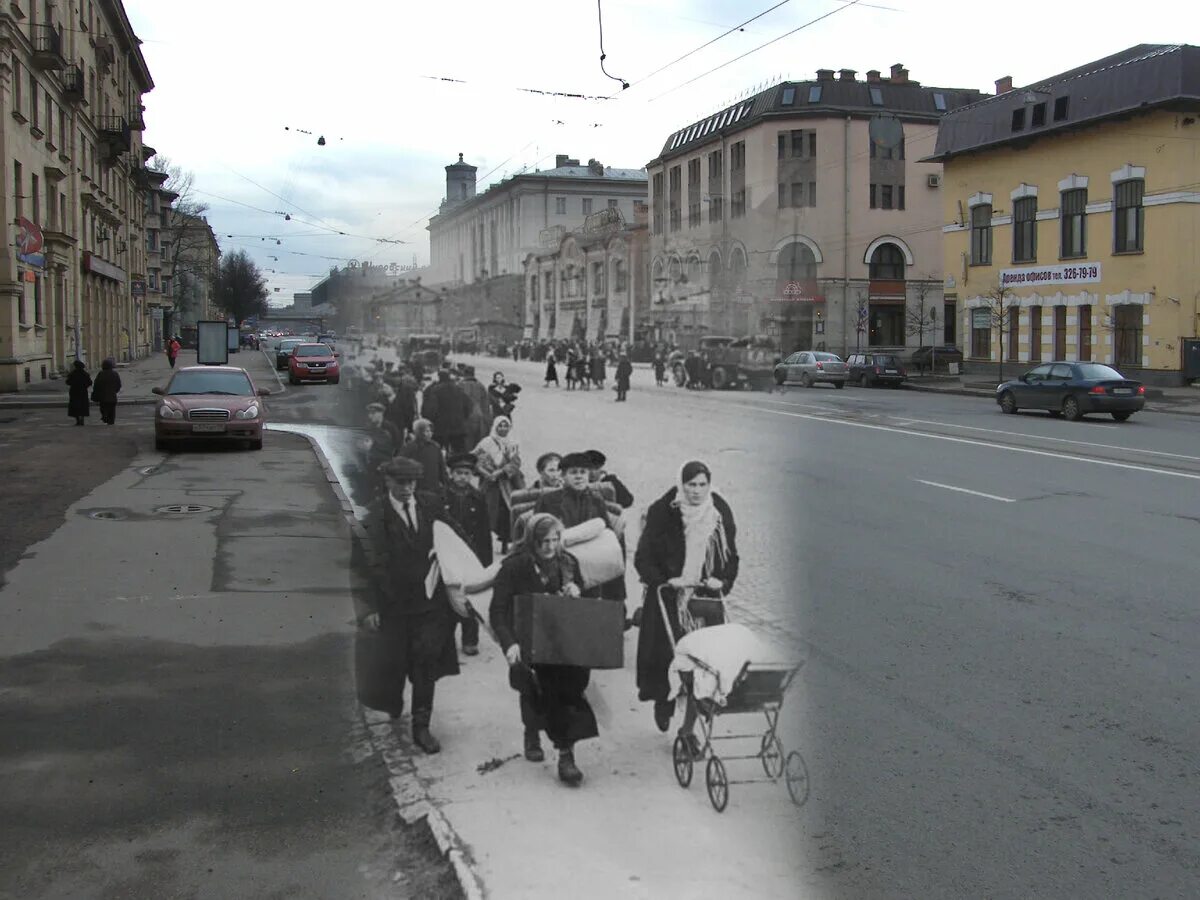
(785, 215)
(71, 83)
(477, 236)
(158, 303)
(1074, 220)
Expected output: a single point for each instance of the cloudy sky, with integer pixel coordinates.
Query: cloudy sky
(244, 88)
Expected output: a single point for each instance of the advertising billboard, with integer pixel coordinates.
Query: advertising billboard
(212, 343)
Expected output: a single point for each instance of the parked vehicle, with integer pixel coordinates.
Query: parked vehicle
(809, 367)
(872, 369)
(313, 362)
(425, 349)
(210, 403)
(329, 339)
(734, 362)
(939, 357)
(1073, 390)
(283, 351)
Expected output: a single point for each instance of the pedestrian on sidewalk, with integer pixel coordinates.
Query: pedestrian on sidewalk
(597, 475)
(552, 697)
(624, 373)
(551, 369)
(78, 381)
(409, 608)
(688, 547)
(105, 390)
(425, 450)
(498, 464)
(173, 348)
(466, 505)
(549, 474)
(448, 408)
(577, 502)
(479, 423)
(660, 370)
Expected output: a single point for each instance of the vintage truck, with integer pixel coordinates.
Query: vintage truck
(736, 362)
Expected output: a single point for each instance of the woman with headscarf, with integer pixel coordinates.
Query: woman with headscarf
(551, 369)
(499, 466)
(105, 390)
(688, 546)
(78, 381)
(552, 697)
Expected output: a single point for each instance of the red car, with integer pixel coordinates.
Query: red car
(313, 362)
(210, 402)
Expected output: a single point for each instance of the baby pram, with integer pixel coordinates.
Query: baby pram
(728, 670)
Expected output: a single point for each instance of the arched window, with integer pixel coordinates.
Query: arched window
(693, 269)
(675, 270)
(714, 264)
(619, 276)
(737, 265)
(658, 272)
(887, 263)
(797, 263)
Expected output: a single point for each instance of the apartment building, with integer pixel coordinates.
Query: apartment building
(805, 212)
(1074, 216)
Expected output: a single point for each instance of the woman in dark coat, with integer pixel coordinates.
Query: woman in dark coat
(688, 545)
(624, 373)
(552, 697)
(551, 369)
(78, 381)
(105, 390)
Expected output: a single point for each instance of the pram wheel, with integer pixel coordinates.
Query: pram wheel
(681, 755)
(717, 783)
(771, 754)
(796, 776)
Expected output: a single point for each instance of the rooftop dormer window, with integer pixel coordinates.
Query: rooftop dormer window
(814, 94)
(939, 102)
(1018, 119)
(1060, 108)
(876, 97)
(789, 96)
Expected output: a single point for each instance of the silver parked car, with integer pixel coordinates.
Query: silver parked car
(808, 367)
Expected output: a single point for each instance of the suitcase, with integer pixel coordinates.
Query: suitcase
(570, 631)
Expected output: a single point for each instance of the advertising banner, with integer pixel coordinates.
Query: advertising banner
(1067, 273)
(212, 343)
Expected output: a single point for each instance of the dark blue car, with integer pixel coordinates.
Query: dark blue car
(1073, 389)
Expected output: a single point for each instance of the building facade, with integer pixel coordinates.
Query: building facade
(72, 78)
(1075, 215)
(590, 284)
(805, 212)
(475, 236)
(159, 306)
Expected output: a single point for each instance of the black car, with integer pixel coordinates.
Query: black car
(283, 352)
(927, 357)
(1073, 389)
(874, 369)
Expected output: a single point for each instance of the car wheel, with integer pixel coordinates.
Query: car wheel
(806, 380)
(1121, 416)
(780, 378)
(839, 384)
(292, 379)
(720, 378)
(256, 445)
(862, 380)
(334, 380)
(1071, 409)
(1008, 402)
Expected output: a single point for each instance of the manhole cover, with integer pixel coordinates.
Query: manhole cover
(106, 514)
(184, 508)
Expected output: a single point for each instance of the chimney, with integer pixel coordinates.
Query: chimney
(595, 167)
(560, 160)
(899, 74)
(824, 74)
(846, 74)
(1004, 85)
(873, 77)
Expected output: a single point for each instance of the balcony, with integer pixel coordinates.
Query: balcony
(74, 87)
(115, 134)
(137, 122)
(106, 54)
(48, 47)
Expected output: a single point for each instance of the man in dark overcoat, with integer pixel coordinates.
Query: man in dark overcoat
(424, 450)
(466, 506)
(624, 373)
(402, 411)
(408, 602)
(448, 408)
(479, 423)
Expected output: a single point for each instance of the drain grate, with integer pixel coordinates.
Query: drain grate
(106, 515)
(183, 508)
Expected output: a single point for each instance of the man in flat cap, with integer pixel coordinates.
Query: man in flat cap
(408, 603)
(479, 422)
(598, 476)
(466, 506)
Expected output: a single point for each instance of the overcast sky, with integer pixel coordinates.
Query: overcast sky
(244, 89)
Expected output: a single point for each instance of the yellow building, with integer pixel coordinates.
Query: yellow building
(1074, 211)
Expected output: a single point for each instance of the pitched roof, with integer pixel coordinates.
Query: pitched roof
(1143, 77)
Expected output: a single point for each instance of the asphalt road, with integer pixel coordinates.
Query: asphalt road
(998, 613)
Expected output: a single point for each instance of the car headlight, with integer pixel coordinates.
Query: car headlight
(166, 411)
(250, 412)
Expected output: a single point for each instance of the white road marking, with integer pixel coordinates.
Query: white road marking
(961, 490)
(990, 446)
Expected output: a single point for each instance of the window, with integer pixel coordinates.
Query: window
(939, 102)
(676, 188)
(587, 206)
(18, 188)
(37, 300)
(658, 203)
(716, 209)
(789, 96)
(35, 199)
(1061, 107)
(714, 166)
(797, 144)
(1074, 222)
(1129, 221)
(1085, 333)
(1039, 115)
(737, 204)
(1127, 334)
(597, 278)
(694, 172)
(981, 334)
(950, 323)
(981, 235)
(612, 204)
(1025, 230)
(1014, 330)
(812, 145)
(887, 196)
(876, 97)
(1018, 119)
(714, 266)
(18, 91)
(814, 94)
(1035, 334)
(560, 205)
(737, 156)
(33, 99)
(622, 278)
(887, 263)
(1060, 332)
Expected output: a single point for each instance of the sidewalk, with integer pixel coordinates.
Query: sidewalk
(1183, 401)
(137, 378)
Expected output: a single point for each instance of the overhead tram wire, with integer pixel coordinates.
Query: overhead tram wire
(271, 212)
(294, 206)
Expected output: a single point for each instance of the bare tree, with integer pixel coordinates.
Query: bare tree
(998, 303)
(186, 241)
(239, 287)
(862, 316)
(921, 319)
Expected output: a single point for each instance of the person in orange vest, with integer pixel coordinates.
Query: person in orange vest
(173, 349)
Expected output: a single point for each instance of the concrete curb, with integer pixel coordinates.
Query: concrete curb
(60, 403)
(412, 799)
(969, 392)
